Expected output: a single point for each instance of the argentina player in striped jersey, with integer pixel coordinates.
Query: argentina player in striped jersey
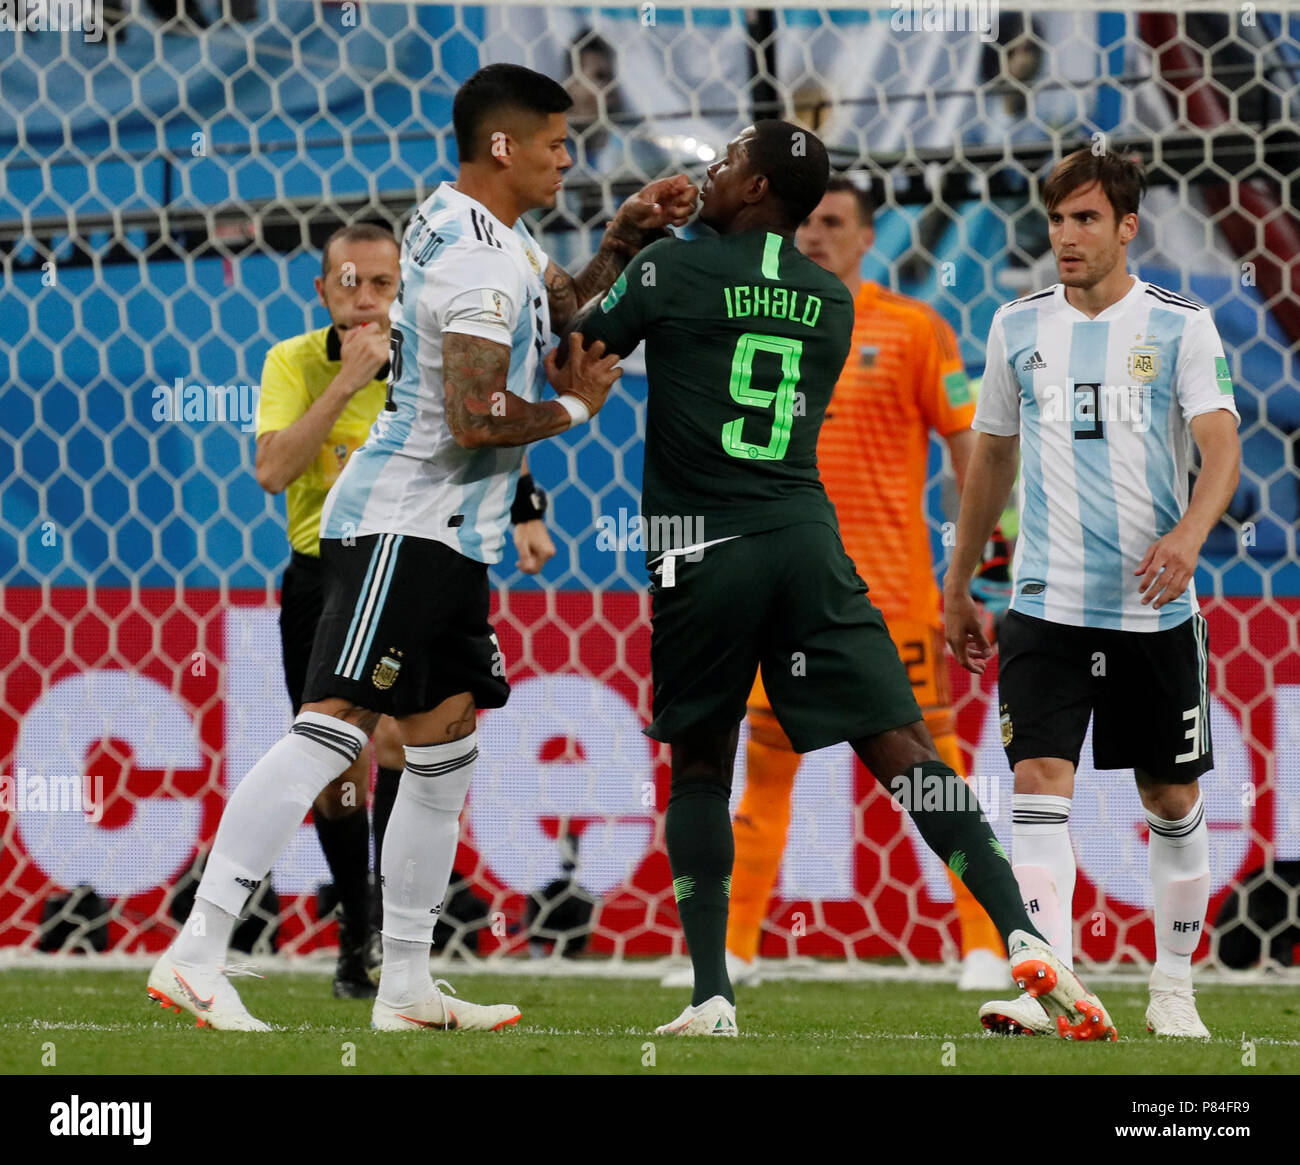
(1101, 383)
(408, 532)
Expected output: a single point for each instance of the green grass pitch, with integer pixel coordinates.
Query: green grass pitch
(101, 1022)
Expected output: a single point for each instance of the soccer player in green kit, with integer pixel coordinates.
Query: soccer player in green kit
(745, 339)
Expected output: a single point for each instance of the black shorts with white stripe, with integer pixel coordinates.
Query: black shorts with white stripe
(1147, 692)
(405, 627)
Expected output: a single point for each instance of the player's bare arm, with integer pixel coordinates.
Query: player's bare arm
(533, 544)
(961, 445)
(482, 412)
(989, 477)
(668, 202)
(284, 455)
(562, 293)
(1170, 562)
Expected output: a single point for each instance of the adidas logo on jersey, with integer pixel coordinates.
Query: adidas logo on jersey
(1034, 361)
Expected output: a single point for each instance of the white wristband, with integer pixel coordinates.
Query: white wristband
(578, 412)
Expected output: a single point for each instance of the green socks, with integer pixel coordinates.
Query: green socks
(948, 816)
(701, 851)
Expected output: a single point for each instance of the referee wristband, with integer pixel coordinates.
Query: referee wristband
(578, 412)
(530, 501)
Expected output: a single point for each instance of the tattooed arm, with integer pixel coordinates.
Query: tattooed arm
(564, 293)
(482, 412)
(561, 296)
(639, 221)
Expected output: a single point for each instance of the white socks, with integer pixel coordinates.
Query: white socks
(1044, 866)
(258, 822)
(1178, 856)
(419, 849)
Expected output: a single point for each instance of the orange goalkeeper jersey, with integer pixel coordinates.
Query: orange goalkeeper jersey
(902, 379)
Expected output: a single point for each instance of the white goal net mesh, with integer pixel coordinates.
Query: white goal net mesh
(167, 175)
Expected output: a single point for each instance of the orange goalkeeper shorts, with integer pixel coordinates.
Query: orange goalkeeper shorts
(922, 649)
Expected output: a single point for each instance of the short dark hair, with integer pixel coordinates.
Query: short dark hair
(497, 89)
(357, 232)
(795, 164)
(1121, 180)
(839, 184)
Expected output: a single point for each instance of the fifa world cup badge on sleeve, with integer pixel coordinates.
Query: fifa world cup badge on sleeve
(1222, 376)
(493, 311)
(615, 293)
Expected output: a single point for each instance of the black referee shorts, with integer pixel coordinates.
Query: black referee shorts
(302, 599)
(1147, 692)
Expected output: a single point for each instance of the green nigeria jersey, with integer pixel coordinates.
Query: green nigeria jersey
(745, 338)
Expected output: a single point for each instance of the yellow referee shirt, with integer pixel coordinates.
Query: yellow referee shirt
(296, 374)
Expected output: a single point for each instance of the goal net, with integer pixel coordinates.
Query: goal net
(168, 172)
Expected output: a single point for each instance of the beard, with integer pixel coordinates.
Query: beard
(1091, 271)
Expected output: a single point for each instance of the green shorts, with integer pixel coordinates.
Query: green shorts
(790, 601)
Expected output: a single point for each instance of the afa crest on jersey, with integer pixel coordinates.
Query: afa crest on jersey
(1144, 363)
(385, 673)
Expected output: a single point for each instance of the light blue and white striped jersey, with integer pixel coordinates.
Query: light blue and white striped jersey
(463, 270)
(1103, 408)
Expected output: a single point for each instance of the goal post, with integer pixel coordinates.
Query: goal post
(165, 187)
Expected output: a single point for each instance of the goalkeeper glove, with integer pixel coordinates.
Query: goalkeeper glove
(991, 585)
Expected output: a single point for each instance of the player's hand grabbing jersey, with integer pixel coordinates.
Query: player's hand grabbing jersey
(463, 270)
(1102, 407)
(745, 338)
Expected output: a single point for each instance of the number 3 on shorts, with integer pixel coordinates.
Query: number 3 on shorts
(1194, 735)
(782, 400)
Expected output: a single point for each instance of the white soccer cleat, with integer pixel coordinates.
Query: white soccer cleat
(983, 970)
(741, 972)
(1077, 1013)
(1172, 1011)
(440, 1013)
(206, 994)
(713, 1017)
(1022, 1016)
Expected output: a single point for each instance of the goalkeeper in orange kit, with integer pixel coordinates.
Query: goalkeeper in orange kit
(903, 378)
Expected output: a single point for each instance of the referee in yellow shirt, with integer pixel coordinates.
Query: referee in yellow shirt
(320, 394)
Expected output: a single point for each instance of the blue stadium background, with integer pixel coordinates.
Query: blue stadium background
(174, 504)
